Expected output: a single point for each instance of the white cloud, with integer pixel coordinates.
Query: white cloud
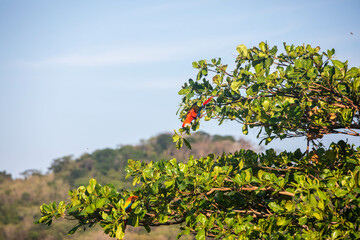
(110, 57)
(153, 53)
(117, 56)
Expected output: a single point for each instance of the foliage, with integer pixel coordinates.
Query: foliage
(222, 138)
(245, 194)
(20, 198)
(8, 214)
(60, 164)
(31, 172)
(4, 176)
(300, 92)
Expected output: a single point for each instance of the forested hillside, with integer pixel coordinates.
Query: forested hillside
(20, 198)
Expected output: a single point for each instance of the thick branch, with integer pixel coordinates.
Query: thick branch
(250, 189)
(279, 169)
(154, 224)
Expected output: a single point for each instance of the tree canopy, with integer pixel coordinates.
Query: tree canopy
(246, 194)
(300, 92)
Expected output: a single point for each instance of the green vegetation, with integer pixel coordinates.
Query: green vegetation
(248, 195)
(20, 198)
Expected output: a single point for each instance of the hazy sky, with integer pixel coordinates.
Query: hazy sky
(76, 76)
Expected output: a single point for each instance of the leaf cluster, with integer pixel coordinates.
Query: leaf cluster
(300, 92)
(240, 195)
(91, 205)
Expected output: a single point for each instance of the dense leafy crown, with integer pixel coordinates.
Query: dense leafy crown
(248, 195)
(296, 93)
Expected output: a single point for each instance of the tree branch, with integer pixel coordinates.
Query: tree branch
(250, 189)
(155, 224)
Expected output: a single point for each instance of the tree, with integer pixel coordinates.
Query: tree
(4, 176)
(248, 195)
(31, 172)
(61, 164)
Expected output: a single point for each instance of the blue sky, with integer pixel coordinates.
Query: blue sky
(76, 76)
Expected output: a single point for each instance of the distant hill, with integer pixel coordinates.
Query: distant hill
(20, 198)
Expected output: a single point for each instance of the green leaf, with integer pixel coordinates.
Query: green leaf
(74, 208)
(237, 179)
(120, 231)
(181, 185)
(303, 220)
(353, 72)
(134, 220)
(252, 90)
(104, 215)
(190, 95)
(83, 212)
(91, 187)
(281, 221)
(44, 219)
(175, 137)
(199, 75)
(184, 232)
(330, 53)
(242, 50)
(312, 73)
(268, 62)
(266, 104)
(179, 143)
(204, 71)
(184, 91)
(245, 129)
(45, 208)
(340, 192)
(318, 216)
(321, 205)
(200, 235)
(155, 188)
(147, 228)
(216, 79)
(169, 183)
(89, 209)
(289, 206)
(201, 218)
(260, 173)
(235, 85)
(262, 46)
(241, 164)
(258, 68)
(163, 218)
(275, 207)
(73, 230)
(338, 64)
(187, 144)
(248, 175)
(273, 51)
(100, 202)
(335, 234)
